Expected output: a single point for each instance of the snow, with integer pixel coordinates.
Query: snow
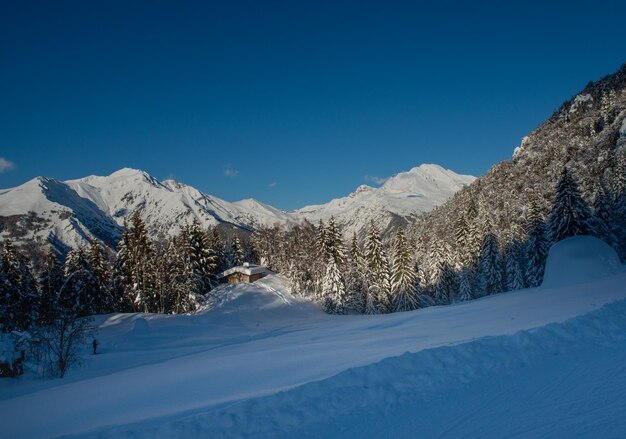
(249, 270)
(578, 260)
(77, 211)
(518, 150)
(262, 363)
(408, 193)
(581, 99)
(7, 348)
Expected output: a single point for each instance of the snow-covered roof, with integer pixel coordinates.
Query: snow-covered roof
(248, 269)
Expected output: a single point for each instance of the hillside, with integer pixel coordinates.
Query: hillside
(401, 197)
(587, 134)
(264, 363)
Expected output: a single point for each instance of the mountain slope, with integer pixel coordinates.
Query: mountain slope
(95, 207)
(77, 211)
(404, 195)
(587, 134)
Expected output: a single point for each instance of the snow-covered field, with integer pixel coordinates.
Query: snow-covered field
(546, 362)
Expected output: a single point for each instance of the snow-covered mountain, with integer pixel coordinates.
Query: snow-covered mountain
(404, 195)
(77, 211)
(68, 213)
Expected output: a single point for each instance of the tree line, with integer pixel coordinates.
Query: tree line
(410, 270)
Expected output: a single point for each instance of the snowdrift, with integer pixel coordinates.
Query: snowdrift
(580, 259)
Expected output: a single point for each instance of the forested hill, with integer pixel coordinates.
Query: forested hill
(587, 134)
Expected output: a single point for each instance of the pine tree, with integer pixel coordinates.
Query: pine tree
(216, 247)
(184, 283)
(465, 286)
(514, 266)
(134, 266)
(333, 289)
(536, 247)
(334, 243)
(603, 217)
(473, 236)
(201, 259)
(379, 284)
(490, 274)
(103, 301)
(461, 233)
(18, 290)
(355, 280)
(50, 283)
(11, 317)
(403, 281)
(237, 253)
(79, 290)
(570, 214)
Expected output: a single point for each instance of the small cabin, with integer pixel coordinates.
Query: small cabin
(246, 273)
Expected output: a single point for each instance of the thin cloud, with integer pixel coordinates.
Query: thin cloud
(375, 180)
(273, 184)
(230, 172)
(6, 165)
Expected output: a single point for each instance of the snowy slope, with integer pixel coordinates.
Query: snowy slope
(76, 211)
(169, 204)
(62, 214)
(546, 362)
(408, 193)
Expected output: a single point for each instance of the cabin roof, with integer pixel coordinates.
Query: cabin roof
(247, 269)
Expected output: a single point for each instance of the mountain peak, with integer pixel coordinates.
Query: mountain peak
(405, 194)
(127, 172)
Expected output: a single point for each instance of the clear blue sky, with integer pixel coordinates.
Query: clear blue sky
(291, 102)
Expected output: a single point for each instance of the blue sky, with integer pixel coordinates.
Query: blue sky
(292, 103)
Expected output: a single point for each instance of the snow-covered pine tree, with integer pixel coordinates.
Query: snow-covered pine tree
(536, 247)
(263, 240)
(378, 279)
(334, 243)
(333, 288)
(465, 286)
(50, 283)
(104, 301)
(217, 249)
(11, 294)
(19, 290)
(445, 282)
(514, 263)
(237, 252)
(403, 281)
(184, 281)
(603, 219)
(333, 294)
(489, 265)
(78, 293)
(355, 278)
(134, 266)
(200, 257)
(570, 214)
(461, 233)
(618, 198)
(474, 240)
(318, 264)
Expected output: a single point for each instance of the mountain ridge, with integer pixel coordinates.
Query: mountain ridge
(77, 211)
